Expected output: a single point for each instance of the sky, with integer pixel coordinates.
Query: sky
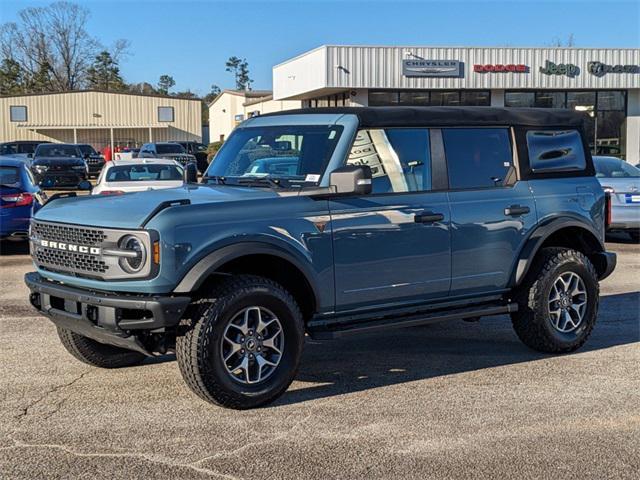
(192, 40)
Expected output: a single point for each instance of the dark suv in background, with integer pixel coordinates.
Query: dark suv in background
(57, 165)
(198, 150)
(172, 151)
(94, 160)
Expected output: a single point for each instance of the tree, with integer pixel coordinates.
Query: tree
(240, 69)
(142, 87)
(570, 42)
(52, 46)
(104, 73)
(210, 97)
(12, 78)
(165, 83)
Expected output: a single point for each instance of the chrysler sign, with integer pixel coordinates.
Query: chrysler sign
(432, 68)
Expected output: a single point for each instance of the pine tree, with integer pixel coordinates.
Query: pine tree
(104, 73)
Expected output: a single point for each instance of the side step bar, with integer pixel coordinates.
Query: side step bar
(337, 330)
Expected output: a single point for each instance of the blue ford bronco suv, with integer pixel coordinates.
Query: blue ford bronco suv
(329, 222)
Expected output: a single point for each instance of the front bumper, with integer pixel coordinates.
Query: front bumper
(104, 317)
(61, 178)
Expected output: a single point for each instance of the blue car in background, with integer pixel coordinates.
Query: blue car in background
(20, 198)
(621, 181)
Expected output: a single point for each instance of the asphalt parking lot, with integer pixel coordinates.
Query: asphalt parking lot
(456, 400)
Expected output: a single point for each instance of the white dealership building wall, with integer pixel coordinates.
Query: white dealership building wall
(337, 75)
(232, 107)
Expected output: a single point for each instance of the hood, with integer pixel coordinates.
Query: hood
(58, 161)
(131, 209)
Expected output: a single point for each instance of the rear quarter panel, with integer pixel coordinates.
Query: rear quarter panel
(579, 198)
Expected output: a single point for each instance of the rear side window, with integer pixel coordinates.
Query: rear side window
(9, 176)
(478, 157)
(555, 151)
(399, 158)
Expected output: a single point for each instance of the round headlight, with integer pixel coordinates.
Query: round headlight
(133, 264)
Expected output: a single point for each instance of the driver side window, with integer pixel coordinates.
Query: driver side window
(399, 158)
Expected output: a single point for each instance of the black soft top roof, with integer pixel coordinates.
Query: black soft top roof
(452, 116)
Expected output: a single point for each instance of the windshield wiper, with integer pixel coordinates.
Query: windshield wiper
(260, 181)
(219, 180)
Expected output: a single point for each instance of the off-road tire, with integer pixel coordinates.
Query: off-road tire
(198, 344)
(98, 354)
(532, 323)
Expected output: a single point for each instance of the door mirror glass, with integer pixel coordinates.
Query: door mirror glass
(351, 179)
(191, 173)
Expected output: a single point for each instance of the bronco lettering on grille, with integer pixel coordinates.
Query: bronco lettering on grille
(70, 247)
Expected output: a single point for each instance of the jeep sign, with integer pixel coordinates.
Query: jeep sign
(568, 69)
(432, 68)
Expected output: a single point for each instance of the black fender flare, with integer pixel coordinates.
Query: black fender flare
(537, 239)
(214, 260)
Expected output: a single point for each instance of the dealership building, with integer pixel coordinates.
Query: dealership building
(99, 118)
(604, 83)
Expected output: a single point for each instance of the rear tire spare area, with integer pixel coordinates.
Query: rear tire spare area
(240, 346)
(98, 354)
(557, 301)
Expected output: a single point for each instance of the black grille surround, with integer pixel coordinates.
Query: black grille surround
(83, 251)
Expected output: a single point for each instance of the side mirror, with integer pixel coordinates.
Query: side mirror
(191, 173)
(351, 179)
(29, 155)
(85, 185)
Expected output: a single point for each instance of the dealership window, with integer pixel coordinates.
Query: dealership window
(18, 113)
(477, 157)
(337, 100)
(605, 125)
(399, 158)
(378, 98)
(165, 114)
(472, 98)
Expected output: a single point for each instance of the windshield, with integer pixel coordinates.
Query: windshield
(142, 173)
(163, 148)
(9, 175)
(55, 150)
(87, 150)
(295, 153)
(614, 168)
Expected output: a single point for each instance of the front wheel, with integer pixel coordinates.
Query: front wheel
(557, 302)
(242, 343)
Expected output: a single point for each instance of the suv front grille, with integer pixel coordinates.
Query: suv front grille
(54, 259)
(91, 237)
(77, 261)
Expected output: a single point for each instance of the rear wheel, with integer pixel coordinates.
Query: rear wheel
(242, 343)
(557, 302)
(98, 354)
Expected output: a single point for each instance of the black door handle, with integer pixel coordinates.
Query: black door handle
(428, 217)
(515, 210)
